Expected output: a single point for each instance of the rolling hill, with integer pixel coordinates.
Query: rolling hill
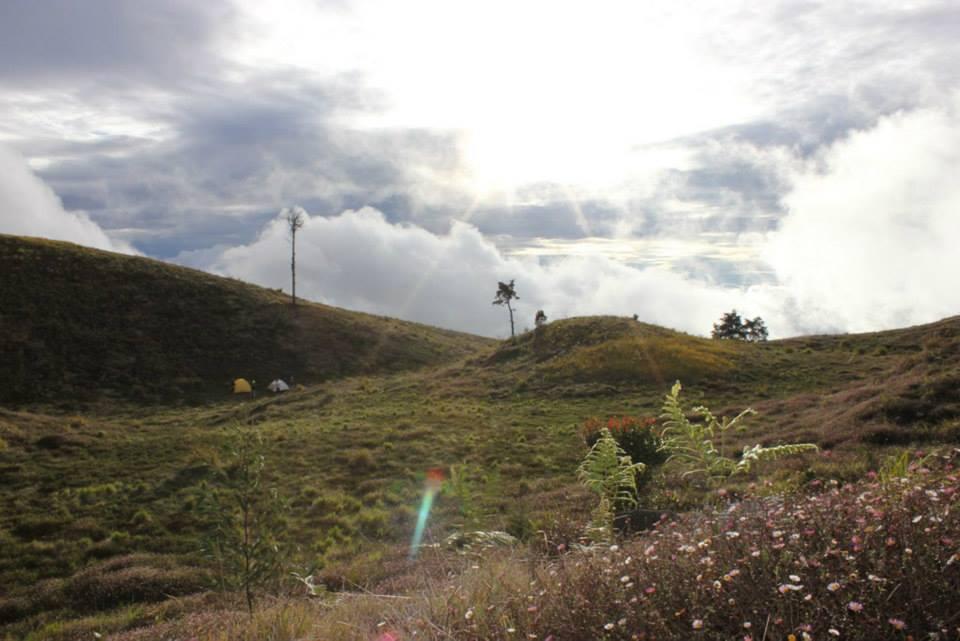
(101, 503)
(83, 324)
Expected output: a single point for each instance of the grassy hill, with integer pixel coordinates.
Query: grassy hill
(883, 387)
(100, 518)
(82, 324)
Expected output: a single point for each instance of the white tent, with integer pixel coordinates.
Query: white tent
(278, 386)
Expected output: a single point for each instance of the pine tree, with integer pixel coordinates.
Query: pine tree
(730, 327)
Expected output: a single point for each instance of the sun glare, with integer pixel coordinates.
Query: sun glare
(536, 91)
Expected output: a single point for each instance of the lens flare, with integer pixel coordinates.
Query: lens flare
(432, 485)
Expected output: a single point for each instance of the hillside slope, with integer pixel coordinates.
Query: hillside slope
(81, 324)
(110, 496)
(885, 387)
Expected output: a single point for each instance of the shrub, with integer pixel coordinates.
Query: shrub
(636, 436)
(867, 561)
(358, 459)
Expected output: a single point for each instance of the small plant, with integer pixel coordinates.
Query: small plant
(608, 471)
(895, 467)
(692, 443)
(461, 487)
(245, 543)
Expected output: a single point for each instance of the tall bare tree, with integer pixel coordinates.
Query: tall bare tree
(295, 217)
(505, 294)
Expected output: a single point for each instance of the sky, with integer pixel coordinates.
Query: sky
(793, 160)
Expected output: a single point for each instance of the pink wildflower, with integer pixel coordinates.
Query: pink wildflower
(855, 606)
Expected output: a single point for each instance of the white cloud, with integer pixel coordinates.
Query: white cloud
(28, 207)
(868, 243)
(870, 238)
(359, 260)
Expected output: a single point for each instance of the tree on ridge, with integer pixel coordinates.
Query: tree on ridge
(505, 294)
(295, 218)
(732, 327)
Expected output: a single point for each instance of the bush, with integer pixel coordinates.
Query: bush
(866, 561)
(636, 436)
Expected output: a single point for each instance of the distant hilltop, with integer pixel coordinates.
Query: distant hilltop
(81, 324)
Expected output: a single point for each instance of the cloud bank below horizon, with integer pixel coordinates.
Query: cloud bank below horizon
(865, 244)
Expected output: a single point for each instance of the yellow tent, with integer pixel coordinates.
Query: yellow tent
(241, 386)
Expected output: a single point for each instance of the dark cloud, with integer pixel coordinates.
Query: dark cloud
(240, 153)
(107, 40)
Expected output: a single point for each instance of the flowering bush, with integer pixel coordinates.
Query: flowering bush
(636, 436)
(863, 561)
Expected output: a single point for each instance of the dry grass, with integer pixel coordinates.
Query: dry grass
(350, 453)
(644, 360)
(870, 561)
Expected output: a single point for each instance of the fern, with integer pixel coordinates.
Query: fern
(691, 444)
(608, 471)
(757, 453)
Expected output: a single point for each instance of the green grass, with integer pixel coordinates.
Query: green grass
(84, 483)
(81, 325)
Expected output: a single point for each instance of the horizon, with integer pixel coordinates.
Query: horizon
(795, 161)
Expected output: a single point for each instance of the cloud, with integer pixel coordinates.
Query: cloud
(28, 207)
(870, 238)
(866, 241)
(233, 155)
(183, 126)
(106, 42)
(360, 260)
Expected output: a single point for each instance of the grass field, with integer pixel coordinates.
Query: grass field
(100, 520)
